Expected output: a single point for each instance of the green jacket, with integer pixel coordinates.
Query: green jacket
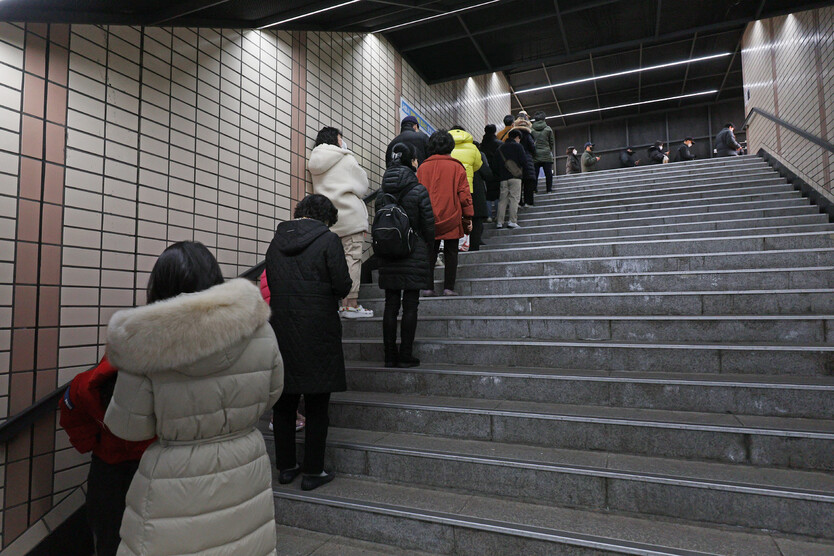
(543, 136)
(589, 162)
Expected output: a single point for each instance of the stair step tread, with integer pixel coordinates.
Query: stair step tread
(794, 427)
(664, 318)
(628, 535)
(301, 542)
(807, 485)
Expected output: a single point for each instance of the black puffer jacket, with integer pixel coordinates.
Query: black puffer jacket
(684, 154)
(655, 155)
(481, 178)
(489, 146)
(412, 272)
(418, 141)
(307, 276)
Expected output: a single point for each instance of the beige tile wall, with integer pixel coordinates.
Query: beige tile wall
(788, 65)
(139, 137)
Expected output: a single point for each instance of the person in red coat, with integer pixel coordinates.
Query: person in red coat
(114, 460)
(448, 187)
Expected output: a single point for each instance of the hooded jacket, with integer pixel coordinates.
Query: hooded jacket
(198, 371)
(412, 272)
(467, 154)
(525, 127)
(627, 159)
(337, 175)
(418, 140)
(684, 154)
(445, 179)
(544, 140)
(589, 162)
(307, 276)
(572, 165)
(489, 146)
(656, 156)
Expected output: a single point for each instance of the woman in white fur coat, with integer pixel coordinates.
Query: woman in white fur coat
(337, 175)
(198, 366)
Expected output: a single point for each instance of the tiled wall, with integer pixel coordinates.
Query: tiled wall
(116, 141)
(788, 65)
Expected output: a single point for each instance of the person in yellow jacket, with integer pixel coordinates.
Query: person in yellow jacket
(466, 153)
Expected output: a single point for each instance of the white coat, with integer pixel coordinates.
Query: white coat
(197, 371)
(337, 175)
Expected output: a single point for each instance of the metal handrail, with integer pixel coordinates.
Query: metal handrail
(49, 403)
(799, 131)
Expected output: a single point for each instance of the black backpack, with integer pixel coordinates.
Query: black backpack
(391, 232)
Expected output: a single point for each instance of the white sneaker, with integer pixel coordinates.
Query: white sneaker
(512, 225)
(357, 312)
(499, 226)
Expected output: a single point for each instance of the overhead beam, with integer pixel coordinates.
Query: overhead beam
(297, 14)
(364, 20)
(686, 75)
(489, 29)
(727, 73)
(596, 89)
(561, 29)
(475, 44)
(657, 19)
(178, 11)
(760, 9)
(553, 90)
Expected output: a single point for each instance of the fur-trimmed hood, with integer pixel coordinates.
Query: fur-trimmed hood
(176, 333)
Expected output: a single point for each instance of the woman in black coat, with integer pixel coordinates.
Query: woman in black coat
(489, 145)
(403, 278)
(307, 277)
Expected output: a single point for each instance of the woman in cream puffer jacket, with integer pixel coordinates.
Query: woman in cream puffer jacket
(197, 370)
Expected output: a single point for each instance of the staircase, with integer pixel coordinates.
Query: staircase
(645, 367)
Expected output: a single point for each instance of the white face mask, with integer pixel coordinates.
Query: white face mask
(574, 151)
(345, 144)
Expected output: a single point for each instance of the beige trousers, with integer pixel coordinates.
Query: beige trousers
(353, 255)
(510, 195)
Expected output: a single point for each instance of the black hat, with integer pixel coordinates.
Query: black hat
(588, 144)
(689, 139)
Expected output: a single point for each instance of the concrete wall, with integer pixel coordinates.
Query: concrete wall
(115, 142)
(788, 65)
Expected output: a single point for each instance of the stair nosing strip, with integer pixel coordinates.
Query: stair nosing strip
(741, 183)
(612, 294)
(657, 478)
(494, 526)
(727, 429)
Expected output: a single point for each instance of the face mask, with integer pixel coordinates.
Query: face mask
(345, 144)
(574, 151)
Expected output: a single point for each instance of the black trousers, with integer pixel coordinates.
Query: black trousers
(477, 234)
(107, 485)
(528, 188)
(548, 174)
(450, 259)
(315, 431)
(410, 300)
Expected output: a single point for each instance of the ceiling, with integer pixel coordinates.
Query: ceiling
(535, 42)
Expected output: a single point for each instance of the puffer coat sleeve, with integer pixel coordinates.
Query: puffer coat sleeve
(130, 414)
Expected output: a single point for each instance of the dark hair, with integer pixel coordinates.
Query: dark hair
(328, 136)
(401, 154)
(539, 115)
(440, 142)
(658, 144)
(513, 134)
(490, 129)
(508, 119)
(569, 150)
(318, 207)
(184, 267)
(728, 125)
(456, 126)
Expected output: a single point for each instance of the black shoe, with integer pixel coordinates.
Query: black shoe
(310, 482)
(407, 361)
(287, 476)
(391, 358)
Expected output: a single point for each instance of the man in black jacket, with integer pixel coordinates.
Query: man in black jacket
(684, 153)
(627, 158)
(725, 142)
(411, 135)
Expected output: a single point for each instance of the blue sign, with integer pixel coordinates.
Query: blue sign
(407, 110)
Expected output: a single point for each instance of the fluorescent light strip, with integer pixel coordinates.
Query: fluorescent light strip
(627, 72)
(309, 14)
(444, 14)
(633, 104)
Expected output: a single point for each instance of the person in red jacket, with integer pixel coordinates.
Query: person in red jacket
(448, 187)
(114, 460)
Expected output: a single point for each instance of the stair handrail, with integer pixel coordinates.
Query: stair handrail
(789, 126)
(21, 420)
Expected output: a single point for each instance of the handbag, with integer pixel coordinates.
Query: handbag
(512, 166)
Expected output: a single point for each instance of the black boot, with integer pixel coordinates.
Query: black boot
(391, 357)
(407, 360)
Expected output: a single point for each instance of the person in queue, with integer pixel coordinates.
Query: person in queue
(656, 154)
(545, 143)
(307, 276)
(489, 146)
(445, 179)
(411, 135)
(627, 158)
(572, 163)
(684, 153)
(589, 160)
(336, 174)
(725, 142)
(508, 125)
(198, 366)
(528, 181)
(403, 278)
(512, 171)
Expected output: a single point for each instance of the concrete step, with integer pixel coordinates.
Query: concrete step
(300, 542)
(786, 442)
(781, 396)
(687, 303)
(662, 188)
(781, 329)
(524, 235)
(613, 220)
(753, 241)
(726, 357)
(791, 258)
(695, 208)
(787, 501)
(447, 522)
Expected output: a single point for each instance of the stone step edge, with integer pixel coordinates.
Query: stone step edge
(681, 180)
(780, 382)
(605, 472)
(487, 525)
(587, 414)
(619, 344)
(314, 542)
(614, 175)
(611, 294)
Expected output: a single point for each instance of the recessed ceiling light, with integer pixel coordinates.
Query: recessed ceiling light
(702, 93)
(626, 72)
(444, 14)
(308, 14)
